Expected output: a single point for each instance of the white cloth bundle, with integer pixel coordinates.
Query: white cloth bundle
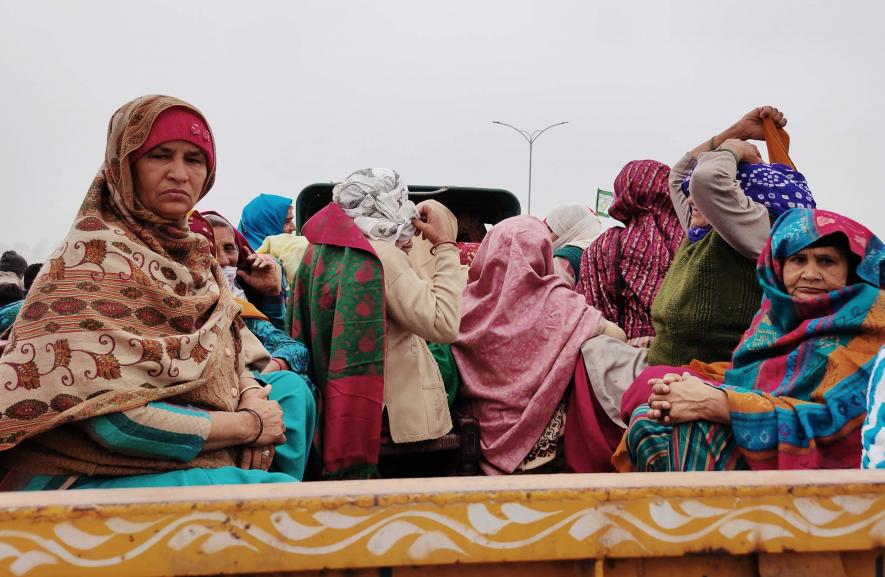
(378, 202)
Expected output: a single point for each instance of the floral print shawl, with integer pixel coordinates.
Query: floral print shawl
(129, 310)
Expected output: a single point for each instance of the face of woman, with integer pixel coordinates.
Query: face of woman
(168, 179)
(226, 250)
(289, 225)
(697, 217)
(815, 271)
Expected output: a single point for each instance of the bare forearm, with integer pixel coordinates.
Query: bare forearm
(718, 407)
(231, 429)
(713, 143)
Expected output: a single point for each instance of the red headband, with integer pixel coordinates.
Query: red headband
(178, 123)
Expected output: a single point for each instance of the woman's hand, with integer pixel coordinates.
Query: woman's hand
(271, 416)
(750, 126)
(266, 277)
(256, 457)
(676, 399)
(274, 365)
(744, 151)
(611, 329)
(431, 226)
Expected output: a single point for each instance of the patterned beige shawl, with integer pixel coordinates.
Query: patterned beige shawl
(129, 311)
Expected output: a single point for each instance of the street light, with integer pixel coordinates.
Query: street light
(530, 137)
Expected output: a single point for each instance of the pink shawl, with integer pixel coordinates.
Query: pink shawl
(521, 333)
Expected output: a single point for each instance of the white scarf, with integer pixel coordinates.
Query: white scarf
(378, 202)
(575, 225)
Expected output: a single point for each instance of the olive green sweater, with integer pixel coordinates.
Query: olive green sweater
(704, 305)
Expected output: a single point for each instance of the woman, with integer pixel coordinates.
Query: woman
(366, 316)
(286, 353)
(572, 228)
(127, 364)
(520, 338)
(719, 191)
(623, 269)
(266, 215)
(795, 395)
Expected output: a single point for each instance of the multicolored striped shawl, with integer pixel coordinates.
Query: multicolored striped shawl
(797, 386)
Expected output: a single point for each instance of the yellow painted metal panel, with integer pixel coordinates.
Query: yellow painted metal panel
(405, 523)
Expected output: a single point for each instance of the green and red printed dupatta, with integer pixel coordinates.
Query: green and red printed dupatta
(338, 313)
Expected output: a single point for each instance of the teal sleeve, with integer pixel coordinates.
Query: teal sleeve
(157, 430)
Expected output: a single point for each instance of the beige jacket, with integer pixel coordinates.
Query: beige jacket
(418, 311)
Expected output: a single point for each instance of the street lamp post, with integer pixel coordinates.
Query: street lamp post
(530, 137)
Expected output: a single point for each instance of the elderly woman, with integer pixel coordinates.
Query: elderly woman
(286, 353)
(795, 395)
(266, 215)
(572, 228)
(623, 269)
(366, 315)
(725, 199)
(520, 340)
(127, 364)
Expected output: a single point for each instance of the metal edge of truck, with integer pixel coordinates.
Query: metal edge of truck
(605, 524)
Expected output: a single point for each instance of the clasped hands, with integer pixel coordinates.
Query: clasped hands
(680, 399)
(260, 454)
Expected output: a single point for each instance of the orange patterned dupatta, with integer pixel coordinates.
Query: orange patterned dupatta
(130, 309)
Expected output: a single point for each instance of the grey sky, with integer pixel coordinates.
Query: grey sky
(300, 92)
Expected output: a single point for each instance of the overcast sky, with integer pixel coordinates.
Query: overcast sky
(300, 92)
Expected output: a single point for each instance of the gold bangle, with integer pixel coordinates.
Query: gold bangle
(442, 243)
(247, 389)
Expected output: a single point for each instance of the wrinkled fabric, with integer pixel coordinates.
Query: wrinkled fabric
(338, 312)
(127, 300)
(798, 381)
(521, 333)
(874, 425)
(264, 216)
(623, 269)
(378, 202)
(777, 187)
(575, 225)
(797, 387)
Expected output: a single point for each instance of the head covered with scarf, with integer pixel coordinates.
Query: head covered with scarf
(264, 216)
(378, 202)
(574, 225)
(778, 187)
(622, 270)
(513, 382)
(131, 307)
(817, 352)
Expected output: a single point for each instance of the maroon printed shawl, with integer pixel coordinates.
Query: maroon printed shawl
(623, 269)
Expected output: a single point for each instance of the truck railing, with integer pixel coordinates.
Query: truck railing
(675, 524)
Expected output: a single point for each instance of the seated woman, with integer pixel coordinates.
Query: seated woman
(572, 228)
(266, 215)
(127, 364)
(874, 425)
(286, 353)
(795, 395)
(623, 269)
(366, 316)
(520, 340)
(722, 195)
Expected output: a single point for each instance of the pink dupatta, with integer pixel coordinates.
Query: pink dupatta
(521, 333)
